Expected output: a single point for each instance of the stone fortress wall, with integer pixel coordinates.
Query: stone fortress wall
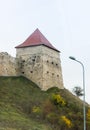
(8, 65)
(39, 63)
(42, 65)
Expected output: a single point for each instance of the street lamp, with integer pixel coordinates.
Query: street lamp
(84, 108)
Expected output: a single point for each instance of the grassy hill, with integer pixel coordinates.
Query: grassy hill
(24, 106)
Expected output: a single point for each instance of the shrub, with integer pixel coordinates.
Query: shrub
(88, 119)
(66, 121)
(58, 100)
(37, 111)
(88, 115)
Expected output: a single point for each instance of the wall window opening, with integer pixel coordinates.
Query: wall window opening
(33, 60)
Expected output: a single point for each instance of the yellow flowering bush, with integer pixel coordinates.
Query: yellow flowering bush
(66, 121)
(88, 115)
(88, 119)
(36, 109)
(58, 100)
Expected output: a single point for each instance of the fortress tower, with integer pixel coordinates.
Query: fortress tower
(39, 61)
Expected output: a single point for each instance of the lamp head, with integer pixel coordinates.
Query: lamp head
(72, 58)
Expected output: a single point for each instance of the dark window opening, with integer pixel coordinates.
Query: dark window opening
(52, 73)
(34, 56)
(56, 64)
(47, 61)
(22, 72)
(52, 63)
(57, 75)
(47, 72)
(31, 71)
(23, 60)
(33, 60)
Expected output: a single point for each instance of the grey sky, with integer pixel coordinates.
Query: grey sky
(65, 23)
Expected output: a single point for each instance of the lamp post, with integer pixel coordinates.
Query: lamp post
(84, 108)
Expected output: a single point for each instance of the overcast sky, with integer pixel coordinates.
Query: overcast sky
(65, 23)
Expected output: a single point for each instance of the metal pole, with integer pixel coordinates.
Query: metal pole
(84, 107)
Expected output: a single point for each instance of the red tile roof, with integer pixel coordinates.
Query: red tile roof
(36, 39)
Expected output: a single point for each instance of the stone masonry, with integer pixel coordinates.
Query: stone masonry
(8, 65)
(39, 63)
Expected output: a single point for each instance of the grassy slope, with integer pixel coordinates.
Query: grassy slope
(17, 93)
(18, 96)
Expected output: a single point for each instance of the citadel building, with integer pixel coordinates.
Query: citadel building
(37, 59)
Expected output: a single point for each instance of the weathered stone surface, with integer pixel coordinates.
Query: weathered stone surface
(40, 64)
(8, 66)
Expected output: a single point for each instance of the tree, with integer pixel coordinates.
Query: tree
(78, 91)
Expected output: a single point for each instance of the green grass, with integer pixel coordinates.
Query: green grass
(17, 95)
(23, 106)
